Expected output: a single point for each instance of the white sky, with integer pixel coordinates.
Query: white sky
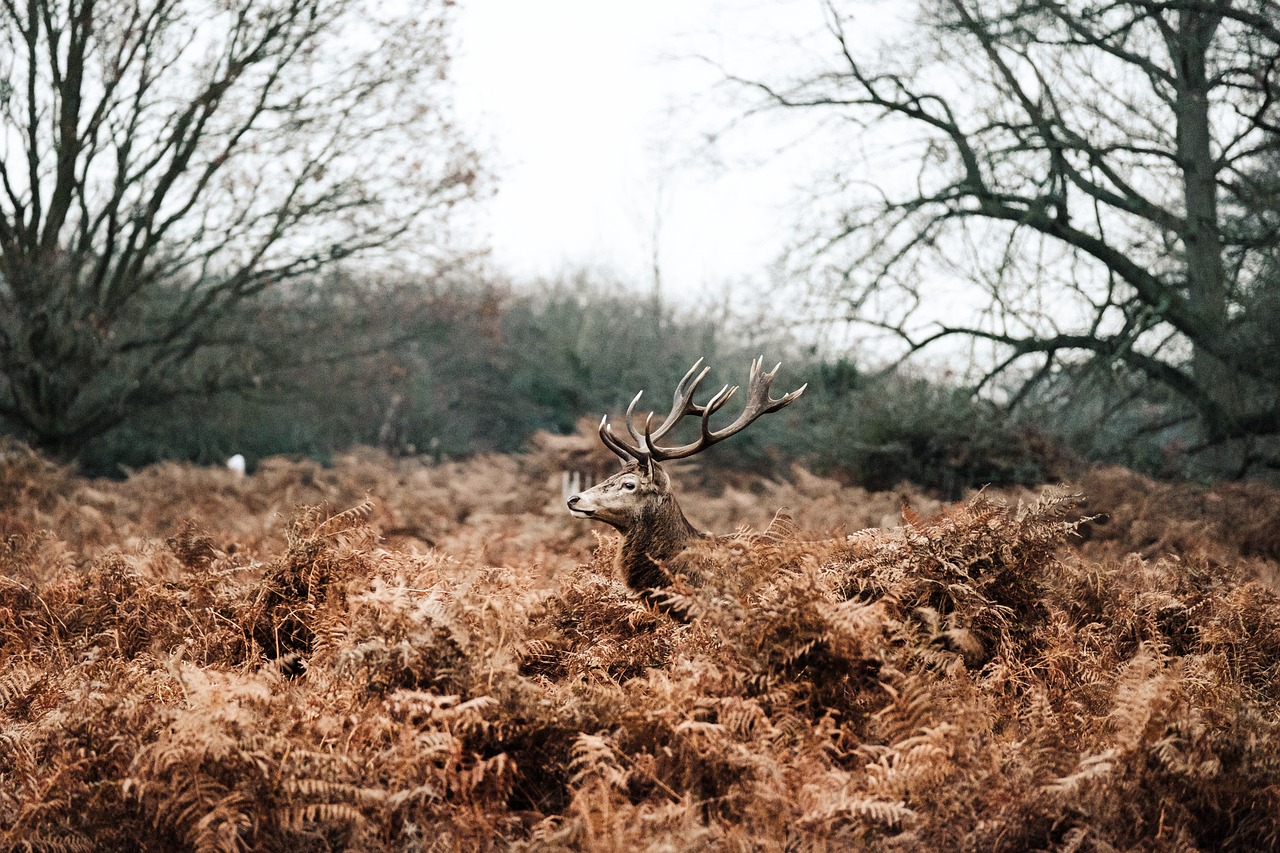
(591, 114)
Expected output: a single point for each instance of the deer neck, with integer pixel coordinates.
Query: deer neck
(660, 532)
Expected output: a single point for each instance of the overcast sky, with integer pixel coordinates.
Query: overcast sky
(593, 116)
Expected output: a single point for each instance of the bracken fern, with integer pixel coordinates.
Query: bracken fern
(436, 669)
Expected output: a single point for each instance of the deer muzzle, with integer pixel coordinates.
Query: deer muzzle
(580, 508)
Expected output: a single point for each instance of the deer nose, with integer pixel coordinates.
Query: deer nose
(573, 501)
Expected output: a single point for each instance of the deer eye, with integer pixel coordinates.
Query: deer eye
(629, 486)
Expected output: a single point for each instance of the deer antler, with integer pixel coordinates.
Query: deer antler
(644, 448)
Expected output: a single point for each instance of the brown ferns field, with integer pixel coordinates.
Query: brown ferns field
(392, 655)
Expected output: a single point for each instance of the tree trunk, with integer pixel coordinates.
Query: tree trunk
(1202, 238)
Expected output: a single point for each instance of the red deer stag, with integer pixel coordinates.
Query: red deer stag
(638, 500)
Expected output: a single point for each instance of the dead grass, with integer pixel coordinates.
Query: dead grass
(192, 660)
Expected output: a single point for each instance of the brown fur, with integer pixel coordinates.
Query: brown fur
(639, 504)
(638, 501)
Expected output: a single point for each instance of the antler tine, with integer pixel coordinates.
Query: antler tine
(681, 404)
(631, 427)
(621, 448)
(641, 450)
(689, 373)
(758, 389)
(645, 449)
(713, 405)
(759, 402)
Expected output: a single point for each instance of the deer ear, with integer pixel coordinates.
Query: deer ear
(659, 477)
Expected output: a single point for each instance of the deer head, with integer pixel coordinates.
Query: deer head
(638, 501)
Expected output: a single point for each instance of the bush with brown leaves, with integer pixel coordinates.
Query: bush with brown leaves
(187, 661)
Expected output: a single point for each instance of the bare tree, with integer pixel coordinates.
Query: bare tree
(1099, 171)
(163, 162)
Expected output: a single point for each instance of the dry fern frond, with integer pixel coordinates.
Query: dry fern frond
(890, 814)
(351, 519)
(977, 678)
(1091, 768)
(595, 758)
(913, 707)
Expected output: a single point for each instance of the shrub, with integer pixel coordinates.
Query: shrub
(966, 680)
